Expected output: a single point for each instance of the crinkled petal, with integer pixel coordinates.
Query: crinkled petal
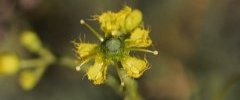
(97, 72)
(111, 22)
(133, 66)
(119, 23)
(139, 38)
(108, 22)
(86, 49)
(121, 19)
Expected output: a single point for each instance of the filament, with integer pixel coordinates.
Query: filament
(91, 29)
(155, 52)
(78, 68)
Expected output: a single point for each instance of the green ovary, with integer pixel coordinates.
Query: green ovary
(112, 48)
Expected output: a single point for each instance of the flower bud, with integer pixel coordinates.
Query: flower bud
(9, 64)
(27, 79)
(31, 41)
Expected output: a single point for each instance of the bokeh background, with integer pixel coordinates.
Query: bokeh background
(198, 43)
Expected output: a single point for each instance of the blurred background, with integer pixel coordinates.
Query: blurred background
(198, 43)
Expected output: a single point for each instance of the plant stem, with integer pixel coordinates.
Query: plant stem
(226, 88)
(130, 85)
(114, 84)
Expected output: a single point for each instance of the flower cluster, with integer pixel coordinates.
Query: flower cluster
(28, 70)
(123, 33)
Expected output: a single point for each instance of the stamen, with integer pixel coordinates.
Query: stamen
(78, 68)
(91, 29)
(122, 83)
(155, 52)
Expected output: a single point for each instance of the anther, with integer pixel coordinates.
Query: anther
(78, 68)
(82, 21)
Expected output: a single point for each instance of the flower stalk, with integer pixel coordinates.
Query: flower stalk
(130, 85)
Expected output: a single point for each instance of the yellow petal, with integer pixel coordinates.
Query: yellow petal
(9, 64)
(97, 72)
(121, 17)
(133, 20)
(27, 79)
(133, 66)
(86, 49)
(139, 38)
(108, 22)
(125, 11)
(119, 23)
(31, 41)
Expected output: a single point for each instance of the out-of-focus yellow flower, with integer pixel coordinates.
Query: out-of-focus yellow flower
(9, 64)
(30, 40)
(27, 79)
(86, 49)
(134, 66)
(97, 72)
(123, 33)
(139, 38)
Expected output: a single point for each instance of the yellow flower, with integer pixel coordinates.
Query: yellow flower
(123, 34)
(9, 64)
(27, 79)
